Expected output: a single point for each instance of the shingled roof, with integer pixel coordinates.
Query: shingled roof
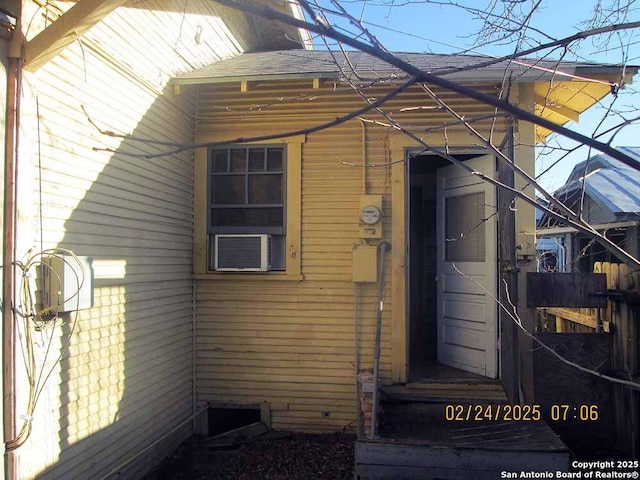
(300, 64)
(611, 184)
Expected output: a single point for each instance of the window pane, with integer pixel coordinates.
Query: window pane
(249, 217)
(228, 189)
(220, 160)
(465, 228)
(256, 159)
(278, 252)
(274, 159)
(265, 189)
(271, 217)
(238, 160)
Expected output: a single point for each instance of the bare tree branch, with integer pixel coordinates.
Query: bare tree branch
(426, 77)
(179, 147)
(563, 42)
(569, 217)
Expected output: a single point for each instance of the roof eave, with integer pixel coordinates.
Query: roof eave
(467, 76)
(606, 70)
(190, 80)
(387, 77)
(562, 230)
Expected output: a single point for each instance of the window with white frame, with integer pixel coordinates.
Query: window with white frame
(247, 196)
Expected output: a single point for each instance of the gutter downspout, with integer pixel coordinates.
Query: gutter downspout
(12, 128)
(356, 337)
(383, 248)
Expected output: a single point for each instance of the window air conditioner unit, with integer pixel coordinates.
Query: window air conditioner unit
(242, 253)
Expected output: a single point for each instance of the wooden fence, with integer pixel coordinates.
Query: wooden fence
(619, 317)
(620, 321)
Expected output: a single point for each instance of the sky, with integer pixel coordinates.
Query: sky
(418, 26)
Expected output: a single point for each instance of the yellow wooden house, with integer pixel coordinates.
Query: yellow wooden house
(286, 266)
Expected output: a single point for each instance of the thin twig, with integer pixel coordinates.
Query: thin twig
(426, 77)
(258, 138)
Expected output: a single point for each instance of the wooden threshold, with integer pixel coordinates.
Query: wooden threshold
(446, 392)
(431, 372)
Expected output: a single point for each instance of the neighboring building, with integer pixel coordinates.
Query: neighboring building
(611, 203)
(550, 255)
(125, 375)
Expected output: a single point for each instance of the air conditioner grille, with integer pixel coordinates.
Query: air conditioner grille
(242, 252)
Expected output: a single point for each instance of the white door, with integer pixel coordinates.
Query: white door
(467, 314)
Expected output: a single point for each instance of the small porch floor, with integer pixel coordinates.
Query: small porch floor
(430, 372)
(426, 424)
(418, 442)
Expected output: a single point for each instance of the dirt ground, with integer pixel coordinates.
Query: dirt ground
(294, 456)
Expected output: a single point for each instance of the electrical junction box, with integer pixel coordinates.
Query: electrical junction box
(526, 244)
(370, 216)
(365, 264)
(67, 283)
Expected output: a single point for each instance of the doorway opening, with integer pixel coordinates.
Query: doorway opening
(423, 235)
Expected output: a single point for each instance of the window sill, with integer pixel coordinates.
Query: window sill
(238, 276)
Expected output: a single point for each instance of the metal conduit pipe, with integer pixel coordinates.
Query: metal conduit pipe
(8, 256)
(364, 156)
(383, 248)
(356, 346)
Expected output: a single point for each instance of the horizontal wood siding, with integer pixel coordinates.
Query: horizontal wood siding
(291, 343)
(126, 378)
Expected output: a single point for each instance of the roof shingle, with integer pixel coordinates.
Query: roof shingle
(291, 64)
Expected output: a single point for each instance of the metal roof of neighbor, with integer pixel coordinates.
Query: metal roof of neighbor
(292, 64)
(612, 183)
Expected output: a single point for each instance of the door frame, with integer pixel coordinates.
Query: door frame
(399, 147)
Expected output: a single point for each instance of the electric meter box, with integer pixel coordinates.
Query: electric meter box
(370, 216)
(67, 283)
(526, 244)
